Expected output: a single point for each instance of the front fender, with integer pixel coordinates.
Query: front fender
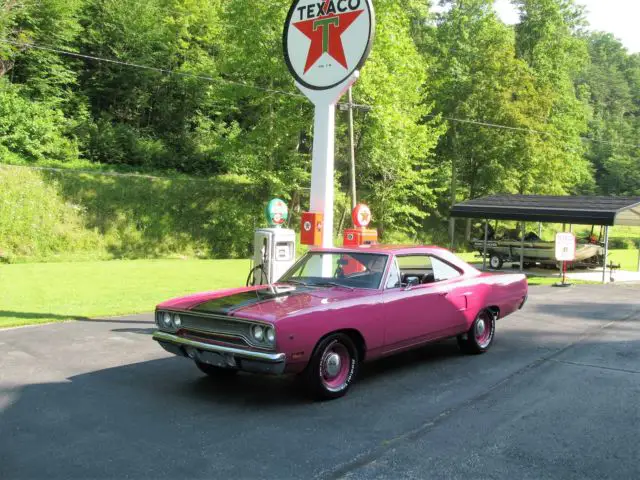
(298, 336)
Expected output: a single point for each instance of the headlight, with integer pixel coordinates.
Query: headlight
(166, 320)
(270, 335)
(257, 332)
(177, 321)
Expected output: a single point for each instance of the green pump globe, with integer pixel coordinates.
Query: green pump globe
(277, 213)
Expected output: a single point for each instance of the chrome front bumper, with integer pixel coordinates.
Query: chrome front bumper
(221, 356)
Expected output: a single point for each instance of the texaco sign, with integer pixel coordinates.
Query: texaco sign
(325, 41)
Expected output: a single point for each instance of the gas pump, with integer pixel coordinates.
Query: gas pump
(274, 248)
(359, 235)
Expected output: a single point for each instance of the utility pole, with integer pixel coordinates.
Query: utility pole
(350, 107)
(353, 152)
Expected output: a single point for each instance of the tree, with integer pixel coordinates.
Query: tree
(611, 80)
(476, 77)
(396, 166)
(547, 38)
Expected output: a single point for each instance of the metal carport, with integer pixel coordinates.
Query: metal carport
(572, 210)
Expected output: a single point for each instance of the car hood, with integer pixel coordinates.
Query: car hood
(258, 303)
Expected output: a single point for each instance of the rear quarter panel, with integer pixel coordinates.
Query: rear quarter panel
(507, 292)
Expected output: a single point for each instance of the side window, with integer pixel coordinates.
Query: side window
(415, 268)
(443, 271)
(394, 276)
(415, 263)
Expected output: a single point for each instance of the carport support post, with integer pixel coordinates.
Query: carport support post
(606, 254)
(452, 233)
(524, 229)
(484, 251)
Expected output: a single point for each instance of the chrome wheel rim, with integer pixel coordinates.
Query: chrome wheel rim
(335, 367)
(483, 331)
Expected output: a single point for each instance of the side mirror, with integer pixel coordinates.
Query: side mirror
(412, 282)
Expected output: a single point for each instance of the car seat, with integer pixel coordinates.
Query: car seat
(428, 278)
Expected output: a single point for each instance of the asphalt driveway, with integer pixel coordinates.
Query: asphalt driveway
(556, 397)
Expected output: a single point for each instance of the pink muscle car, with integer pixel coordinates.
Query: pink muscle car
(336, 308)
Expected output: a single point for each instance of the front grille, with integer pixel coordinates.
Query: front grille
(213, 337)
(215, 325)
(217, 328)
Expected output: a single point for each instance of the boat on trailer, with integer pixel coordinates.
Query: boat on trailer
(589, 253)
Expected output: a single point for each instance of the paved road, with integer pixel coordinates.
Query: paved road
(557, 397)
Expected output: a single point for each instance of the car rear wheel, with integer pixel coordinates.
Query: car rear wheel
(480, 336)
(332, 367)
(216, 372)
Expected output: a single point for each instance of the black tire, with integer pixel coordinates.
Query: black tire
(479, 338)
(495, 262)
(216, 372)
(323, 384)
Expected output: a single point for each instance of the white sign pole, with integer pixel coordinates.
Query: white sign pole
(323, 157)
(326, 43)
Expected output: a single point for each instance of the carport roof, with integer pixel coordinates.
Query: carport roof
(577, 210)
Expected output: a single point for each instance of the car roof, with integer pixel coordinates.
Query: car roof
(440, 252)
(384, 249)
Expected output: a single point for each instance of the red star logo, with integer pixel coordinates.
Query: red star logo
(325, 33)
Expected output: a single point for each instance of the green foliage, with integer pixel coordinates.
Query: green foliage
(395, 160)
(547, 39)
(612, 81)
(477, 77)
(43, 215)
(37, 221)
(210, 97)
(32, 130)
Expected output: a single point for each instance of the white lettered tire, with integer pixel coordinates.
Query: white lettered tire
(332, 367)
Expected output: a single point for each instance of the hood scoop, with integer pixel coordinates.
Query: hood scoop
(228, 304)
(276, 291)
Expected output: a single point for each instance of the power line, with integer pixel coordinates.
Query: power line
(169, 72)
(71, 171)
(295, 95)
(529, 130)
(150, 68)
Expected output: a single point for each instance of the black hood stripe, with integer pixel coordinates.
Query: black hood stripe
(231, 303)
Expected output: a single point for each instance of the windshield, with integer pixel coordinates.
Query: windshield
(353, 269)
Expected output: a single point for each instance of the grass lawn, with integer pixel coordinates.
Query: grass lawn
(628, 259)
(47, 292)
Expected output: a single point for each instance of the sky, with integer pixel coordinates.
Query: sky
(619, 17)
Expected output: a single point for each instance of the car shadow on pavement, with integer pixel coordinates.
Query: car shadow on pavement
(589, 310)
(133, 419)
(39, 316)
(89, 425)
(139, 331)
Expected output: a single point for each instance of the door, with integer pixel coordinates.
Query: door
(418, 312)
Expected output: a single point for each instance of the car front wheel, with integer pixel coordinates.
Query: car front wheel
(332, 367)
(480, 336)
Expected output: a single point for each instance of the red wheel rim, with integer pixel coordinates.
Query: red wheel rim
(483, 330)
(335, 366)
